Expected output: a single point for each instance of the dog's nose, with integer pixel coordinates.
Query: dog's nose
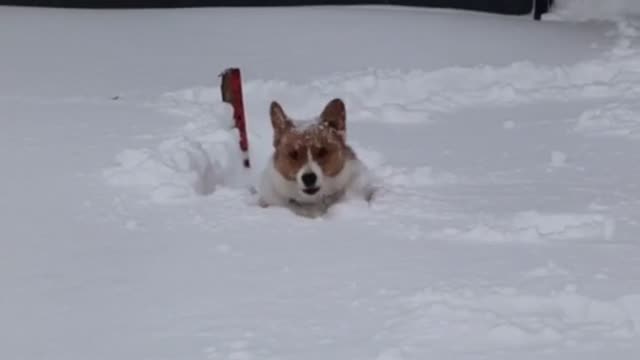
(309, 179)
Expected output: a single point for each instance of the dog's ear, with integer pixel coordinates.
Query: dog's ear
(334, 116)
(279, 121)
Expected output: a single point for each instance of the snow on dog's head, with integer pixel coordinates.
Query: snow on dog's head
(310, 154)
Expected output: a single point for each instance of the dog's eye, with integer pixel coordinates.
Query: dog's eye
(322, 152)
(293, 155)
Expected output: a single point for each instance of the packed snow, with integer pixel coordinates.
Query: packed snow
(507, 150)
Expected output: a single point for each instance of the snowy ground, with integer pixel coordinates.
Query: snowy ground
(507, 229)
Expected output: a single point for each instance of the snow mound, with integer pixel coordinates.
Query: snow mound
(550, 269)
(618, 120)
(535, 227)
(417, 96)
(417, 177)
(393, 96)
(191, 164)
(178, 169)
(505, 318)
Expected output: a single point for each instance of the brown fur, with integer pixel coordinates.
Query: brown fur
(325, 140)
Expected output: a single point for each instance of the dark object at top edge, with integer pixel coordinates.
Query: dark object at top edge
(507, 7)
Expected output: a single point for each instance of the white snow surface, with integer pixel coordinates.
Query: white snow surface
(506, 228)
(581, 10)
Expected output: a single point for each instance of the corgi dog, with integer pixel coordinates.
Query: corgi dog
(312, 167)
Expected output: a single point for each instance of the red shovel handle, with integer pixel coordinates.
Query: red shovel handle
(231, 89)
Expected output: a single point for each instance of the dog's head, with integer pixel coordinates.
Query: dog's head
(312, 154)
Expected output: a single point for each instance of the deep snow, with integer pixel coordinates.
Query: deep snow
(507, 227)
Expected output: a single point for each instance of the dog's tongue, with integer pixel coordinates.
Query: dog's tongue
(311, 191)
